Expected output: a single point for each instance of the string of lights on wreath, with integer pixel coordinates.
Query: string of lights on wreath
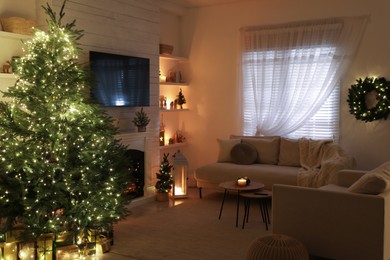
(357, 95)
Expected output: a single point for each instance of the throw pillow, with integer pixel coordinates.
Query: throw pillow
(243, 154)
(289, 153)
(373, 182)
(225, 147)
(267, 149)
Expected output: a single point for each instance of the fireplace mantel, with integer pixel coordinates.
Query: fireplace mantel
(133, 140)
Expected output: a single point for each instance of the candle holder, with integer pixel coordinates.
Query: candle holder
(243, 181)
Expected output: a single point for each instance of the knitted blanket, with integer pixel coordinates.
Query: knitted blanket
(320, 162)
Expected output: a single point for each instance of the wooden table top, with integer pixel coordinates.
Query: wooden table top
(232, 185)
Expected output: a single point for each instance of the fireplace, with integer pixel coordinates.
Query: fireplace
(137, 162)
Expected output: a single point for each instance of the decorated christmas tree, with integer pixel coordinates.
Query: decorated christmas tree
(164, 176)
(60, 165)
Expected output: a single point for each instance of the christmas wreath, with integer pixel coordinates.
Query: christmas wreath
(357, 99)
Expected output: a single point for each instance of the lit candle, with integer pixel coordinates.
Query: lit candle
(163, 78)
(241, 182)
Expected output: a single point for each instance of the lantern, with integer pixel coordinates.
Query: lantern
(180, 173)
(162, 131)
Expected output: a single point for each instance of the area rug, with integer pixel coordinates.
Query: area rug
(189, 230)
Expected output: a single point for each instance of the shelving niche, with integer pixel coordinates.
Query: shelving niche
(11, 45)
(173, 119)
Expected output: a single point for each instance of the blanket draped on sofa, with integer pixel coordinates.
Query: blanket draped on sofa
(320, 162)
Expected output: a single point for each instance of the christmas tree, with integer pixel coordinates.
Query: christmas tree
(181, 100)
(60, 165)
(164, 176)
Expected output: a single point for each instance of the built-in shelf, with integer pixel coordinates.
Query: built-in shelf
(171, 146)
(174, 83)
(9, 35)
(7, 76)
(175, 58)
(174, 110)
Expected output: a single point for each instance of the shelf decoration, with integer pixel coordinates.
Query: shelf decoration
(162, 131)
(357, 99)
(181, 100)
(7, 67)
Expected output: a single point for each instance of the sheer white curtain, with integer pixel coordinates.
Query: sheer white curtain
(290, 70)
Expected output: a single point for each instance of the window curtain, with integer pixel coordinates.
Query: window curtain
(289, 70)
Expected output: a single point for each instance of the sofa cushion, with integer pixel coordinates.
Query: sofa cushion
(289, 152)
(225, 147)
(373, 182)
(243, 154)
(267, 149)
(267, 174)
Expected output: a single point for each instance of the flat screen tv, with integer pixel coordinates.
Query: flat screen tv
(120, 81)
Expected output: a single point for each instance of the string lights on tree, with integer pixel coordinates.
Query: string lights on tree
(60, 165)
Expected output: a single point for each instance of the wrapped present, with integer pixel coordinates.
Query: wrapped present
(65, 238)
(93, 235)
(10, 251)
(46, 244)
(26, 251)
(14, 235)
(2, 237)
(103, 244)
(69, 252)
(87, 248)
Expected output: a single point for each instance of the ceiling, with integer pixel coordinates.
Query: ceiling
(202, 3)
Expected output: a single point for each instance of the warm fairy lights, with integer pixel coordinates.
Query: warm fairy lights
(61, 167)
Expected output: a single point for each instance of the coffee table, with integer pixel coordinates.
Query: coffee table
(232, 186)
(263, 197)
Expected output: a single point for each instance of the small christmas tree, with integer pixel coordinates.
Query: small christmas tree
(60, 166)
(141, 120)
(181, 100)
(165, 179)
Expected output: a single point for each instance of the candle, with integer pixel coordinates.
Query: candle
(163, 78)
(241, 182)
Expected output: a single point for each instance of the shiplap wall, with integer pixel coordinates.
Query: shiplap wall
(126, 27)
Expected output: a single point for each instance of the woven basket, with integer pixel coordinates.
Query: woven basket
(166, 49)
(18, 25)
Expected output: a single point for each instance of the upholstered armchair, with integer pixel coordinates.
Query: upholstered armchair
(338, 221)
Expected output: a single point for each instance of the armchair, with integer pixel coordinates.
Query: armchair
(333, 222)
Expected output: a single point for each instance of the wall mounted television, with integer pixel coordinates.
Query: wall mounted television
(120, 81)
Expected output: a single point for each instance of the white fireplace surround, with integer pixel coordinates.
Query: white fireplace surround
(139, 141)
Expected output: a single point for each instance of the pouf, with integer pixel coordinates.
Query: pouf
(277, 247)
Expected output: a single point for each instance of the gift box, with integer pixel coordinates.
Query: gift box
(65, 238)
(87, 248)
(26, 251)
(103, 245)
(10, 251)
(46, 246)
(69, 252)
(14, 235)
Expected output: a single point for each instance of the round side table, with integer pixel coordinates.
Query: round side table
(232, 186)
(263, 197)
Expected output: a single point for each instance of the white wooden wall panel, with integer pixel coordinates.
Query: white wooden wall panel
(127, 27)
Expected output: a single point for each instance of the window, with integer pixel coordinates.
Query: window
(324, 123)
(291, 76)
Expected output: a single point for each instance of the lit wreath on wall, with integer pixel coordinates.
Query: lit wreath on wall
(357, 99)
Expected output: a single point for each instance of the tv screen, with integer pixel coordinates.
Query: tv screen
(121, 81)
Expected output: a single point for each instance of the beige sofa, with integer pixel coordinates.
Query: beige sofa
(349, 220)
(274, 160)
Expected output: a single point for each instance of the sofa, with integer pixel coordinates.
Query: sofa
(274, 160)
(346, 220)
